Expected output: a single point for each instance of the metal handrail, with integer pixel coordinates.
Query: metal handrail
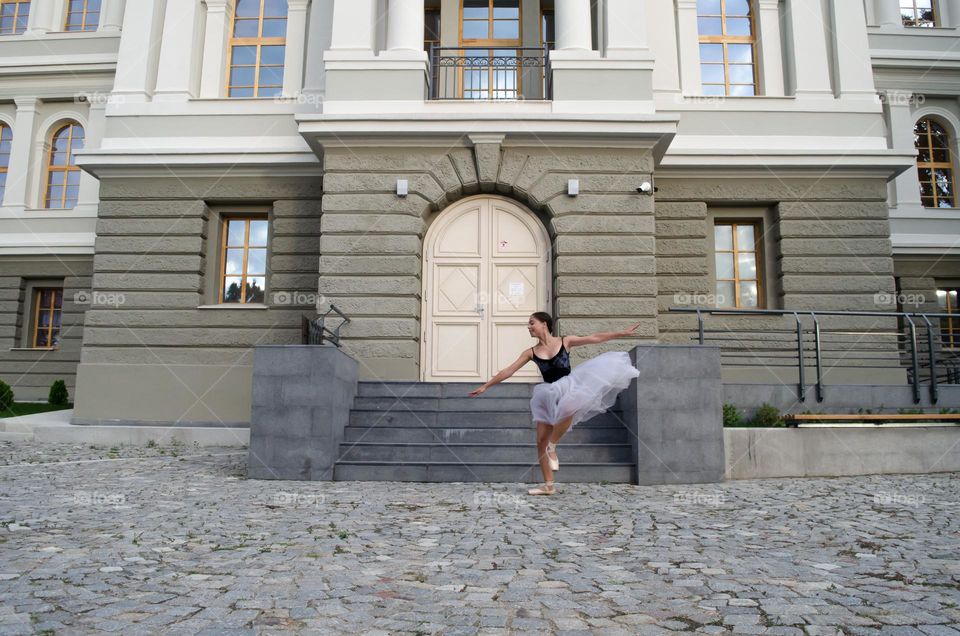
(315, 331)
(920, 362)
(500, 77)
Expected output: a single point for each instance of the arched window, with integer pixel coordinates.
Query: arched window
(934, 164)
(257, 48)
(918, 13)
(727, 47)
(82, 15)
(13, 16)
(6, 137)
(63, 177)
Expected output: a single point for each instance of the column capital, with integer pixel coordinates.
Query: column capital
(219, 5)
(298, 5)
(26, 103)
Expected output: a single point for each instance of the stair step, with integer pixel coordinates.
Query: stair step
(407, 452)
(481, 435)
(527, 472)
(469, 419)
(372, 388)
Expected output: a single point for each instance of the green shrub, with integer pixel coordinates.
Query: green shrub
(731, 415)
(58, 393)
(768, 415)
(6, 396)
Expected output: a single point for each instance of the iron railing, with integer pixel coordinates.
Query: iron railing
(823, 341)
(490, 74)
(315, 331)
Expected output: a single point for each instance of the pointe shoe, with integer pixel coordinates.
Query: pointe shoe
(554, 460)
(548, 488)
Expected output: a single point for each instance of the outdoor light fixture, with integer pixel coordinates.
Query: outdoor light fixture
(573, 187)
(646, 188)
(403, 187)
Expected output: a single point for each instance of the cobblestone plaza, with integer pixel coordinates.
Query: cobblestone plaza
(175, 540)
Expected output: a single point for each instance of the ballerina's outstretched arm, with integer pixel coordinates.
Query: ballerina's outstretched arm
(597, 338)
(502, 375)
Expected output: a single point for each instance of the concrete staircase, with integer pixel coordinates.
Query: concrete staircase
(436, 432)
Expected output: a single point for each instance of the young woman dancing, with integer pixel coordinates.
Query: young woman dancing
(566, 397)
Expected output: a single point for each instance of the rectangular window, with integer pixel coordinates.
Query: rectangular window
(739, 264)
(13, 16)
(918, 13)
(949, 327)
(258, 46)
(47, 302)
(82, 15)
(243, 270)
(728, 63)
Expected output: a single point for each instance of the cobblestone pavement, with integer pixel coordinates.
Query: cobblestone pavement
(176, 540)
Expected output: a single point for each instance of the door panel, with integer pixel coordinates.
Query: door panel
(485, 271)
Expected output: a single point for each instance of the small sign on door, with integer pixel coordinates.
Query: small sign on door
(516, 289)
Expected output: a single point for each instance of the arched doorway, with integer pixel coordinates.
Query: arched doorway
(486, 268)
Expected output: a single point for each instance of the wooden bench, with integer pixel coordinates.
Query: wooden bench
(876, 418)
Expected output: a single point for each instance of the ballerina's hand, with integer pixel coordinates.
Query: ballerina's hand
(478, 391)
(629, 332)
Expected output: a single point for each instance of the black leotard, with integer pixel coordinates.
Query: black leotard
(556, 367)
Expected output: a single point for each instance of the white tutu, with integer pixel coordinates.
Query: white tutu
(589, 389)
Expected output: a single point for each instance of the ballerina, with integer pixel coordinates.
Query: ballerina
(566, 396)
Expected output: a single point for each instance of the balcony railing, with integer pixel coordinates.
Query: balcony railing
(489, 74)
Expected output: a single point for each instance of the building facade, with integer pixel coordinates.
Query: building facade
(187, 179)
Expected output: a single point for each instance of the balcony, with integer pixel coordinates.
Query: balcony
(489, 74)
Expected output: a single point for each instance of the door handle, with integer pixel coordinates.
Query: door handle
(479, 309)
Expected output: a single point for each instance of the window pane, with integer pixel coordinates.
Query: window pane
(710, 26)
(234, 263)
(738, 7)
(726, 292)
(275, 8)
(244, 55)
(257, 261)
(748, 295)
(258, 233)
(248, 8)
(242, 76)
(711, 53)
(708, 7)
(507, 30)
(475, 30)
(241, 92)
(236, 233)
(232, 290)
(741, 74)
(723, 236)
(714, 89)
(742, 90)
(747, 264)
(271, 76)
(272, 55)
(274, 28)
(246, 28)
(740, 53)
(41, 338)
(255, 287)
(738, 26)
(724, 265)
(711, 73)
(745, 238)
(269, 91)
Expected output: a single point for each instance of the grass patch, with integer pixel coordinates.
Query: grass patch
(30, 408)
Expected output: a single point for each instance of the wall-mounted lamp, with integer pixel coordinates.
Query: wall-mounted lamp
(646, 188)
(403, 187)
(573, 187)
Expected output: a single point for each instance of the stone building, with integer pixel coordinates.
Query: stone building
(186, 179)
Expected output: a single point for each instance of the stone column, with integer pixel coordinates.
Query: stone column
(771, 51)
(574, 22)
(296, 45)
(953, 11)
(24, 129)
(139, 44)
(40, 19)
(176, 75)
(809, 28)
(353, 25)
(853, 68)
(901, 121)
(89, 193)
(888, 14)
(216, 57)
(688, 42)
(627, 29)
(405, 26)
(111, 15)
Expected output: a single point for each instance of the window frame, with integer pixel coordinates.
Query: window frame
(85, 27)
(35, 311)
(759, 255)
(16, 15)
(491, 44)
(5, 130)
(725, 40)
(70, 166)
(953, 332)
(224, 216)
(933, 166)
(916, 12)
(259, 42)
